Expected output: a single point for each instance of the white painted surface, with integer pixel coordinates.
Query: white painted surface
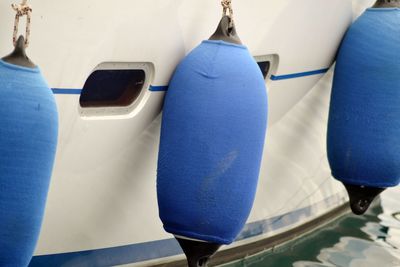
(103, 190)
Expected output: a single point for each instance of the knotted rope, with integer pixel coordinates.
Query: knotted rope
(21, 10)
(228, 10)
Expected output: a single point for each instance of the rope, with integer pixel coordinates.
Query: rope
(227, 10)
(21, 10)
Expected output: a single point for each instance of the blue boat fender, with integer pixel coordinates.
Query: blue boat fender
(212, 137)
(28, 140)
(364, 120)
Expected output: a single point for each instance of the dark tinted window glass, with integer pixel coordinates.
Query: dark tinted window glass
(264, 67)
(112, 88)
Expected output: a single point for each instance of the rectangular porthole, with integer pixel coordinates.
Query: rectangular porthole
(115, 89)
(268, 65)
(112, 88)
(264, 67)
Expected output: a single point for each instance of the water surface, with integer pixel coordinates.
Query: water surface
(372, 240)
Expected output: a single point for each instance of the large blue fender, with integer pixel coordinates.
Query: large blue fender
(28, 139)
(212, 138)
(364, 121)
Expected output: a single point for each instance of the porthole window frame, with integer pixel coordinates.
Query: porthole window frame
(273, 60)
(112, 112)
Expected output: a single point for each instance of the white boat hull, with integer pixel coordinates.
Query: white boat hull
(102, 205)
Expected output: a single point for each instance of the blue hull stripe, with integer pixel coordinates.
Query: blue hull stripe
(164, 88)
(59, 91)
(169, 247)
(158, 88)
(298, 75)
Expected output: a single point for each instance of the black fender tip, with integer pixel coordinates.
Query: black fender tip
(386, 3)
(361, 197)
(198, 253)
(18, 56)
(226, 32)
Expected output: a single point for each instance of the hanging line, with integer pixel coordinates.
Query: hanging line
(21, 10)
(228, 10)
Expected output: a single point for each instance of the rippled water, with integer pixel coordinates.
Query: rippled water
(372, 240)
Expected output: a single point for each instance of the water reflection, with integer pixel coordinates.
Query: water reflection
(357, 241)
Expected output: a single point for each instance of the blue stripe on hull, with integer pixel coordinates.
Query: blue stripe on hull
(298, 75)
(158, 88)
(111, 256)
(164, 88)
(169, 247)
(59, 91)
